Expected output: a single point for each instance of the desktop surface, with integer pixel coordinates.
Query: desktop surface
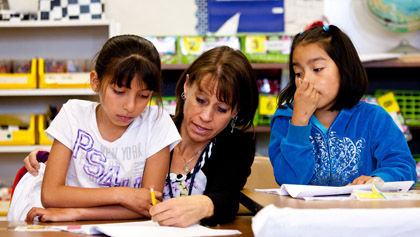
(241, 223)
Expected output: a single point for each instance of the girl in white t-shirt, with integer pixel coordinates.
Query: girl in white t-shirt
(120, 143)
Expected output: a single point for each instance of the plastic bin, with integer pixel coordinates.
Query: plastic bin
(409, 102)
(80, 79)
(20, 80)
(167, 46)
(193, 46)
(17, 129)
(266, 48)
(42, 125)
(266, 109)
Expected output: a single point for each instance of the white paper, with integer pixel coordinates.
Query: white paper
(230, 27)
(301, 13)
(273, 221)
(302, 191)
(146, 228)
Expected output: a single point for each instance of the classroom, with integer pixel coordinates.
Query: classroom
(51, 55)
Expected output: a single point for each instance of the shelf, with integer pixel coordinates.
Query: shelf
(35, 24)
(256, 66)
(260, 66)
(405, 61)
(46, 92)
(391, 64)
(22, 149)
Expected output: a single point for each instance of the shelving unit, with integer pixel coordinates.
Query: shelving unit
(45, 39)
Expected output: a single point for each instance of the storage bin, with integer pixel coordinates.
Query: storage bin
(66, 78)
(193, 46)
(409, 103)
(17, 80)
(266, 109)
(169, 104)
(42, 126)
(266, 48)
(167, 46)
(17, 129)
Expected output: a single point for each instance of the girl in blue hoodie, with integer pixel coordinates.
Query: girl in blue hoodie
(321, 133)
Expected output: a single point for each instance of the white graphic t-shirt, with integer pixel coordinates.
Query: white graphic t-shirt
(98, 163)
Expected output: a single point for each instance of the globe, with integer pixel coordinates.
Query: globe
(398, 16)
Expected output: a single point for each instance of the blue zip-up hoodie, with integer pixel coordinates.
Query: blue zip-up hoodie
(363, 140)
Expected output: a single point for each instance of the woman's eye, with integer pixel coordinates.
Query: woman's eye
(118, 92)
(318, 69)
(145, 96)
(199, 100)
(299, 74)
(223, 110)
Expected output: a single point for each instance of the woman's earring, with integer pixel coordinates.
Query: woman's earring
(183, 95)
(232, 122)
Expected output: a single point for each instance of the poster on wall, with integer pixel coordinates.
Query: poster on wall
(250, 15)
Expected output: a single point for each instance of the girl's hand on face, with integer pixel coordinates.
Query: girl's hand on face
(31, 163)
(305, 102)
(182, 211)
(138, 199)
(52, 214)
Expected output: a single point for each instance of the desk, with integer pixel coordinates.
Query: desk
(241, 223)
(324, 218)
(255, 201)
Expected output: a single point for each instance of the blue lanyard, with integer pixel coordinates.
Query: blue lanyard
(195, 171)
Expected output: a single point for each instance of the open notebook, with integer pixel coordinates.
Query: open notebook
(141, 228)
(305, 191)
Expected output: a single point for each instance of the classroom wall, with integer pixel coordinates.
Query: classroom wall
(353, 18)
(157, 17)
(177, 17)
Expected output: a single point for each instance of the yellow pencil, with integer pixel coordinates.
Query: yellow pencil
(152, 193)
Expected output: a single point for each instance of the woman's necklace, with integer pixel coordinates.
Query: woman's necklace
(186, 166)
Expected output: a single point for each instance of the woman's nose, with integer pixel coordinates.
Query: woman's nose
(207, 113)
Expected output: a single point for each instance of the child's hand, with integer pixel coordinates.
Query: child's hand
(52, 214)
(363, 179)
(305, 102)
(31, 163)
(138, 200)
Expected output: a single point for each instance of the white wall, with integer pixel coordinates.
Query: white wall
(177, 17)
(153, 17)
(368, 36)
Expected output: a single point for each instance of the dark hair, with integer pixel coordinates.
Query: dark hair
(236, 82)
(338, 46)
(125, 56)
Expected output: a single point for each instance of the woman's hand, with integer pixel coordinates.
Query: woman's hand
(182, 211)
(52, 214)
(138, 200)
(305, 102)
(31, 163)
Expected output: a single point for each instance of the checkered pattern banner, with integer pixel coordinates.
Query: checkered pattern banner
(71, 9)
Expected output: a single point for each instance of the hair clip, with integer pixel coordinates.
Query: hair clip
(301, 32)
(326, 27)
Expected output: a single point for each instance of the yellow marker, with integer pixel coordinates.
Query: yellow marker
(152, 193)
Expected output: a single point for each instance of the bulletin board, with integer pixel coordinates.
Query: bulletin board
(255, 15)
